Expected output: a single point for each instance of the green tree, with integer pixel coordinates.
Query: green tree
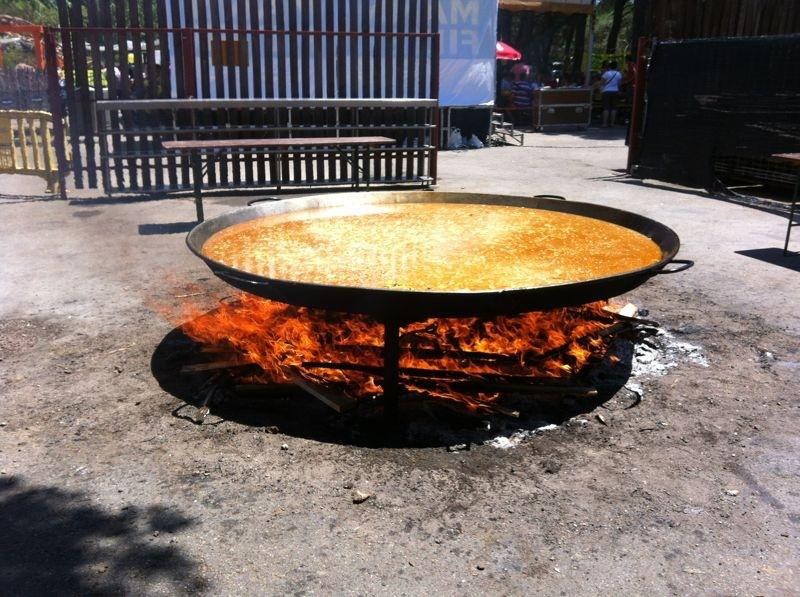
(613, 26)
(39, 12)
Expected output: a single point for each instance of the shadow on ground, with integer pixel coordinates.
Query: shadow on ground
(55, 542)
(170, 228)
(771, 205)
(421, 423)
(774, 256)
(649, 184)
(11, 199)
(118, 199)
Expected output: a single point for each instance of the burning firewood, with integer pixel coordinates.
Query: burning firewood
(266, 390)
(213, 366)
(464, 362)
(337, 401)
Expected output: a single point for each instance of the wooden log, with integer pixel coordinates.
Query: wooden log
(266, 390)
(213, 366)
(337, 401)
(609, 331)
(536, 389)
(443, 374)
(523, 358)
(479, 409)
(506, 412)
(532, 389)
(628, 310)
(638, 321)
(434, 353)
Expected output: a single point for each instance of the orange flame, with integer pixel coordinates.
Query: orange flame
(279, 338)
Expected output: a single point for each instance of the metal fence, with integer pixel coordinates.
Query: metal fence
(237, 49)
(721, 107)
(23, 89)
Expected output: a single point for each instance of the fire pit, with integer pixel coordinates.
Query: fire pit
(394, 307)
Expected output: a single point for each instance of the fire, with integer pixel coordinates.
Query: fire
(439, 357)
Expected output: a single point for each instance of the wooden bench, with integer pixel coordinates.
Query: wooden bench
(130, 136)
(353, 147)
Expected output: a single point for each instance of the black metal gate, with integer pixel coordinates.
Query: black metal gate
(721, 106)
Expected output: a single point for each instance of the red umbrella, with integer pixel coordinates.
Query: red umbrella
(506, 52)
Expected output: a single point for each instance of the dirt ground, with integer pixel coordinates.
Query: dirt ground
(107, 485)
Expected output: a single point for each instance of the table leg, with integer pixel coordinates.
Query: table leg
(355, 166)
(197, 182)
(791, 214)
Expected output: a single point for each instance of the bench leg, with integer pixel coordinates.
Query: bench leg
(197, 180)
(366, 166)
(278, 171)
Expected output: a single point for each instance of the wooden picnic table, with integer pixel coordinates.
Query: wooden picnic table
(197, 148)
(794, 159)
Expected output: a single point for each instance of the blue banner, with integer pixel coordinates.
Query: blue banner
(468, 31)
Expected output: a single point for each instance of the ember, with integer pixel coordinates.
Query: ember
(469, 361)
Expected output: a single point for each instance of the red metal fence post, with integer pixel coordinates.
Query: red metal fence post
(38, 47)
(56, 108)
(637, 111)
(187, 45)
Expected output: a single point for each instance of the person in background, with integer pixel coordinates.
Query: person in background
(520, 71)
(522, 92)
(507, 89)
(630, 65)
(630, 78)
(609, 90)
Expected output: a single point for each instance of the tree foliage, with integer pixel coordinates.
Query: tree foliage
(39, 12)
(546, 37)
(613, 26)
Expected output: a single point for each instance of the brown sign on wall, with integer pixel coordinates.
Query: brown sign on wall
(230, 52)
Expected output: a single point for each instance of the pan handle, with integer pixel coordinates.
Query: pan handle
(684, 264)
(227, 275)
(559, 197)
(254, 201)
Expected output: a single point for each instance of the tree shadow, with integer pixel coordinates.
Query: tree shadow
(421, 422)
(54, 542)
